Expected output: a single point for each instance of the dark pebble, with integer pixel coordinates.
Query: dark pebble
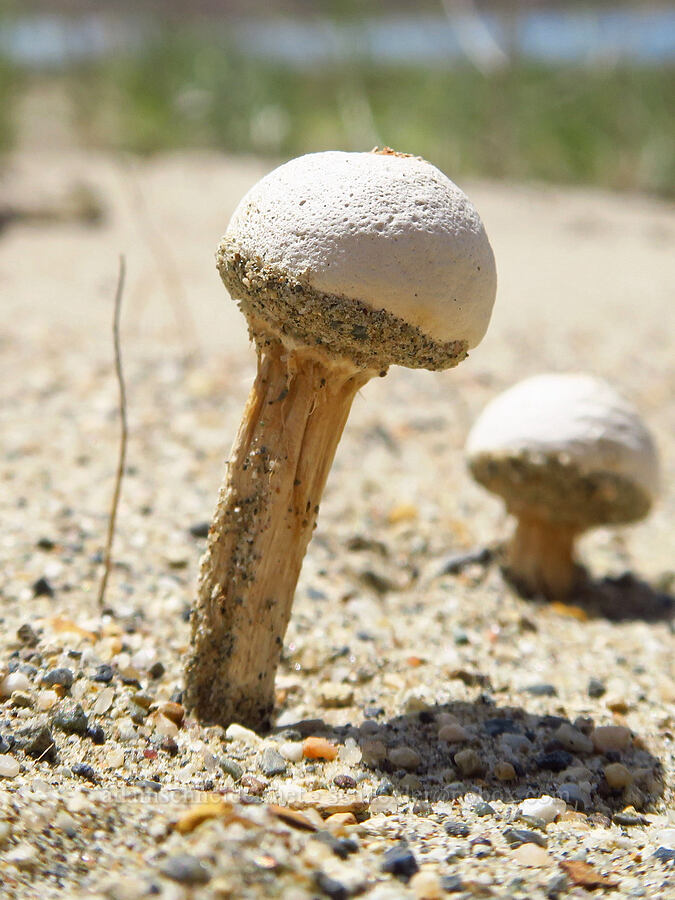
(177, 696)
(185, 869)
(96, 734)
(495, 727)
(541, 690)
(384, 789)
(596, 688)
(664, 855)
(104, 674)
(628, 819)
(61, 676)
(556, 886)
(70, 718)
(426, 716)
(484, 809)
(341, 846)
(129, 679)
(422, 808)
(456, 829)
(272, 762)
(400, 861)
(156, 670)
(555, 761)
(147, 784)
(231, 767)
(84, 770)
(45, 543)
(169, 746)
(42, 588)
(346, 782)
(455, 562)
(518, 836)
(253, 785)
(28, 669)
(200, 529)
(6, 743)
(27, 635)
(612, 755)
(452, 884)
(37, 741)
(330, 886)
(573, 796)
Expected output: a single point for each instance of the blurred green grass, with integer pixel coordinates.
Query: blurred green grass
(604, 126)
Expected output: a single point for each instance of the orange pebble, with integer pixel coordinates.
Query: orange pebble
(318, 748)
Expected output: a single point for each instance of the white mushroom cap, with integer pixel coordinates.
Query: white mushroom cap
(575, 430)
(385, 229)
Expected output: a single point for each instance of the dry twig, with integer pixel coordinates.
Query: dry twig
(123, 432)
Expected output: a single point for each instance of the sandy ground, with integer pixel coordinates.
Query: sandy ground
(585, 283)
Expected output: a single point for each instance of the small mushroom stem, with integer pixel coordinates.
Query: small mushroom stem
(266, 512)
(540, 557)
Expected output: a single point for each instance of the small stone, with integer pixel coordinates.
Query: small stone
(9, 767)
(617, 776)
(542, 690)
(484, 809)
(495, 727)
(174, 711)
(22, 700)
(629, 818)
(610, 737)
(456, 829)
(335, 695)
(231, 767)
(200, 529)
(664, 854)
(546, 808)
(37, 741)
(504, 771)
(342, 847)
(291, 750)
(404, 758)
(6, 743)
(596, 688)
(453, 733)
(15, 681)
(344, 782)
(70, 718)
(518, 836)
(469, 763)
(318, 748)
(46, 699)
(235, 732)
(426, 885)
(84, 770)
(272, 762)
(555, 761)
(328, 803)
(452, 884)
(130, 675)
(156, 670)
(185, 869)
(104, 701)
(104, 674)
(253, 785)
(574, 795)
(330, 887)
(400, 861)
(27, 635)
(384, 789)
(96, 734)
(24, 856)
(61, 676)
(373, 753)
(532, 855)
(164, 727)
(573, 740)
(42, 588)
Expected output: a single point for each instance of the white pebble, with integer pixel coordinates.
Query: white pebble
(115, 758)
(291, 750)
(532, 855)
(104, 701)
(164, 726)
(546, 808)
(350, 754)
(46, 699)
(15, 681)
(9, 767)
(236, 732)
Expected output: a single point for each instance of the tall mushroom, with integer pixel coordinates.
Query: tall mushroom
(566, 453)
(343, 264)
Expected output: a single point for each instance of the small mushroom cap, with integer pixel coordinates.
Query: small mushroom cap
(387, 230)
(567, 448)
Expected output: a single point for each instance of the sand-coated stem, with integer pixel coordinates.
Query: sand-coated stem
(540, 557)
(264, 519)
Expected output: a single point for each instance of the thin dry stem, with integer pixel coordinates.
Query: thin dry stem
(264, 520)
(122, 455)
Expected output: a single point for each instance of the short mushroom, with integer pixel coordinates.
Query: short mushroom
(566, 453)
(343, 264)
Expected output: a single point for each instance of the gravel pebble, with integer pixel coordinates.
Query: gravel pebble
(272, 762)
(400, 861)
(185, 869)
(546, 808)
(9, 767)
(70, 718)
(610, 737)
(404, 758)
(62, 676)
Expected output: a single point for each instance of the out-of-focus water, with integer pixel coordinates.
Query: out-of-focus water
(551, 35)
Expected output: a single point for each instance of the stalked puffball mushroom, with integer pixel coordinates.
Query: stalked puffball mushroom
(566, 453)
(343, 264)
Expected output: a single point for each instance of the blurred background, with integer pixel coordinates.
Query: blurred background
(571, 93)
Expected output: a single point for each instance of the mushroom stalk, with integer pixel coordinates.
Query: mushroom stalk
(265, 516)
(540, 556)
